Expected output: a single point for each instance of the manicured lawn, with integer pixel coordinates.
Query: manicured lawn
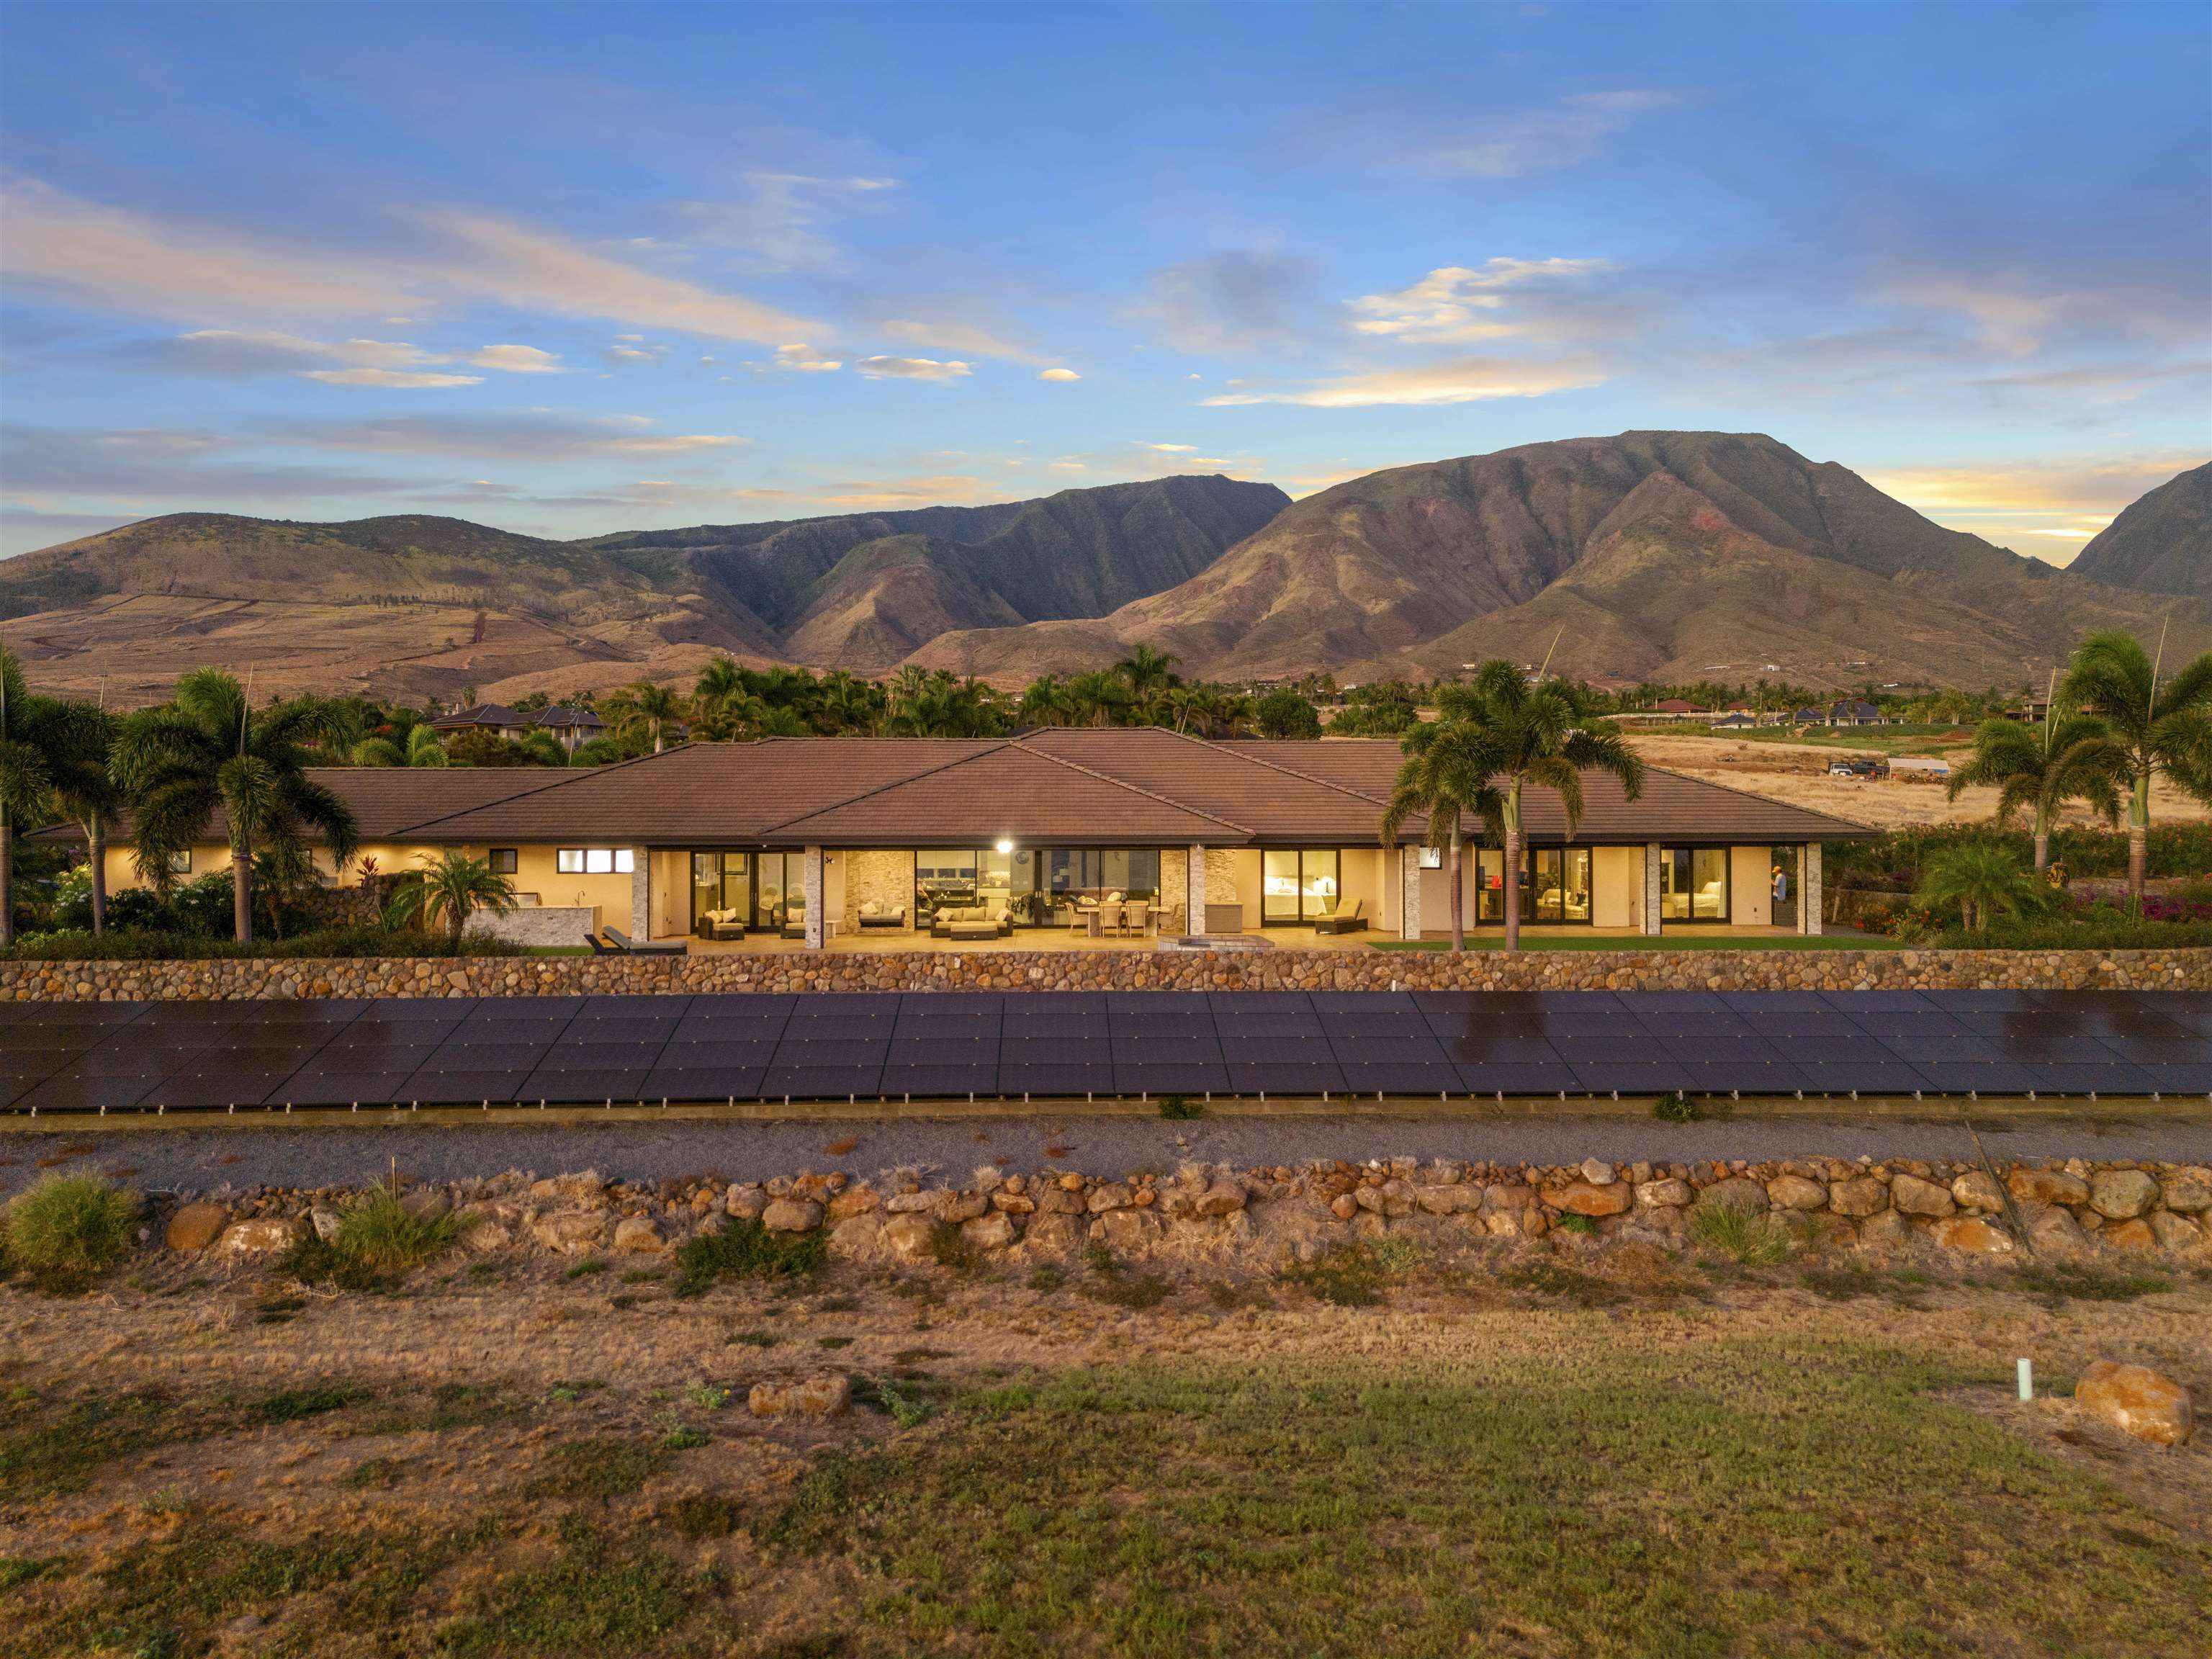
(1488, 940)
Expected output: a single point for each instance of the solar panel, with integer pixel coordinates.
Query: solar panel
(315, 1086)
(71, 1090)
(1511, 1077)
(485, 1056)
(1957, 1050)
(1170, 1077)
(823, 1081)
(1640, 1077)
(1988, 1077)
(1291, 1077)
(653, 1003)
(432, 1087)
(1480, 1046)
(2113, 1078)
(557, 1083)
(981, 1077)
(1258, 1002)
(668, 1082)
(1061, 1077)
(1400, 1077)
(1839, 1077)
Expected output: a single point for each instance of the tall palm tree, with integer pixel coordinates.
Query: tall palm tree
(422, 748)
(1146, 671)
(208, 749)
(450, 887)
(2158, 730)
(1046, 703)
(848, 704)
(1445, 776)
(720, 681)
(645, 709)
(80, 759)
(1530, 734)
(2042, 766)
(27, 777)
(1100, 697)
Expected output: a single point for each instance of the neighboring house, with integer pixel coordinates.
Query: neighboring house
(1809, 717)
(1674, 706)
(484, 717)
(1733, 722)
(1851, 712)
(1035, 833)
(571, 726)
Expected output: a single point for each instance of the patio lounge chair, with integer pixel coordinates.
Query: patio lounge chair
(624, 942)
(1347, 919)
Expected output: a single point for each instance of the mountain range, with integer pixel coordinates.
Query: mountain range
(1650, 555)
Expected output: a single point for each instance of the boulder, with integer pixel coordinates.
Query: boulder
(1791, 1191)
(855, 1237)
(258, 1235)
(195, 1226)
(853, 1200)
(1227, 1197)
(1666, 1194)
(2122, 1194)
(636, 1235)
(486, 1234)
(2189, 1192)
(792, 1215)
(1113, 1196)
(2048, 1186)
(1917, 1197)
(2055, 1232)
(909, 1233)
(1587, 1198)
(1127, 1233)
(746, 1202)
(1972, 1234)
(1977, 1190)
(913, 1203)
(588, 1188)
(426, 1203)
(1885, 1232)
(571, 1232)
(1598, 1173)
(2134, 1236)
(326, 1221)
(1857, 1195)
(958, 1207)
(1736, 1193)
(992, 1231)
(818, 1396)
(2176, 1234)
(1448, 1200)
(2137, 1400)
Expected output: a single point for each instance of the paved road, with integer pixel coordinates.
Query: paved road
(203, 1159)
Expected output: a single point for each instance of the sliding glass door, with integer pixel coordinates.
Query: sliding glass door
(1555, 886)
(1693, 883)
(722, 882)
(1299, 886)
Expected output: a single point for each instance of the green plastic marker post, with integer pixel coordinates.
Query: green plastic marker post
(2027, 1379)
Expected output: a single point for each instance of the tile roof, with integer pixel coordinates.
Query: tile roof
(388, 802)
(487, 714)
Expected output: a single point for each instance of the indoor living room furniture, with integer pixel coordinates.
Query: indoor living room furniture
(1347, 919)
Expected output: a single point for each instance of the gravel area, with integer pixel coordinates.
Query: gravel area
(203, 1159)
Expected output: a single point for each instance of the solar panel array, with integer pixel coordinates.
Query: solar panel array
(73, 1057)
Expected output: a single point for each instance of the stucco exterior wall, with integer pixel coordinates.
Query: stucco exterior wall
(1751, 886)
(1616, 887)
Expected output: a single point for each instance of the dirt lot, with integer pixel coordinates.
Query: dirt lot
(1563, 1446)
(1798, 773)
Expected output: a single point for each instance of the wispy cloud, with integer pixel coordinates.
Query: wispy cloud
(1572, 130)
(1459, 304)
(519, 435)
(1462, 380)
(910, 368)
(970, 339)
(517, 360)
(799, 358)
(1060, 375)
(116, 259)
(1242, 299)
(2047, 507)
(391, 378)
(774, 224)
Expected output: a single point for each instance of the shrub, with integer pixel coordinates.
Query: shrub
(1677, 1108)
(745, 1249)
(154, 944)
(379, 1240)
(69, 1230)
(1180, 1109)
(1741, 1233)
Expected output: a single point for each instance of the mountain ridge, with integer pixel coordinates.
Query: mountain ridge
(2161, 542)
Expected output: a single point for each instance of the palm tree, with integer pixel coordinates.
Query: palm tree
(2157, 730)
(2043, 767)
(1531, 734)
(80, 760)
(644, 710)
(1100, 697)
(1146, 671)
(451, 886)
(26, 780)
(422, 748)
(1046, 703)
(1444, 777)
(207, 749)
(848, 704)
(1983, 878)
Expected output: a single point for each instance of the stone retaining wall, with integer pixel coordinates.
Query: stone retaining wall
(1774, 969)
(1896, 1206)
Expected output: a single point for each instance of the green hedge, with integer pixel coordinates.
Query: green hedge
(144, 945)
(2178, 849)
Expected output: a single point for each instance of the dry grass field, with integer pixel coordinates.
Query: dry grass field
(1570, 1449)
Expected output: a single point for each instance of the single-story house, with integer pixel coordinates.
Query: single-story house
(571, 726)
(484, 717)
(1852, 712)
(816, 839)
(1735, 722)
(1807, 717)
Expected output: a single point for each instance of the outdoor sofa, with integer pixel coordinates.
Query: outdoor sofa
(719, 924)
(873, 914)
(971, 921)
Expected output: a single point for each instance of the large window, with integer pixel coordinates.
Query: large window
(592, 860)
(960, 879)
(1693, 883)
(1041, 886)
(778, 888)
(724, 881)
(1555, 886)
(1298, 885)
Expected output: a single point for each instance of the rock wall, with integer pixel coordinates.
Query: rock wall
(1771, 969)
(2075, 1210)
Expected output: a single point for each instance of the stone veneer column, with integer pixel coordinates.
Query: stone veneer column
(640, 893)
(1651, 889)
(1409, 892)
(1808, 888)
(813, 887)
(1194, 890)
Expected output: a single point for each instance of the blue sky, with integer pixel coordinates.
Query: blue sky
(568, 269)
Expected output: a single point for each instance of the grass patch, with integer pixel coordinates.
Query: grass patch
(50, 1448)
(67, 1231)
(601, 1468)
(375, 1474)
(1046, 1277)
(705, 1515)
(1748, 1236)
(1348, 1275)
(753, 1339)
(1552, 1278)
(745, 1249)
(291, 1405)
(1697, 1501)
(2058, 1282)
(585, 1268)
(595, 1599)
(1677, 1107)
(1848, 1280)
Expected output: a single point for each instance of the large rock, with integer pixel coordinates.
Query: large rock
(326, 1221)
(854, 1201)
(1917, 1197)
(2137, 1400)
(195, 1226)
(258, 1234)
(1977, 1190)
(2133, 1234)
(1227, 1197)
(992, 1231)
(856, 1237)
(1736, 1193)
(2122, 1194)
(818, 1396)
(1127, 1233)
(1789, 1191)
(2055, 1231)
(1589, 1198)
(586, 1188)
(1665, 1194)
(1859, 1195)
(2048, 1186)
(959, 1207)
(2189, 1192)
(1448, 1200)
(792, 1215)
(1599, 1173)
(909, 1234)
(1113, 1196)
(1973, 1234)
(1885, 1232)
(571, 1232)
(636, 1235)
(2176, 1234)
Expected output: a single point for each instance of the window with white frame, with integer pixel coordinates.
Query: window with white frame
(594, 860)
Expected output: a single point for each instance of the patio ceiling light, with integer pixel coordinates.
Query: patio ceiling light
(1005, 845)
